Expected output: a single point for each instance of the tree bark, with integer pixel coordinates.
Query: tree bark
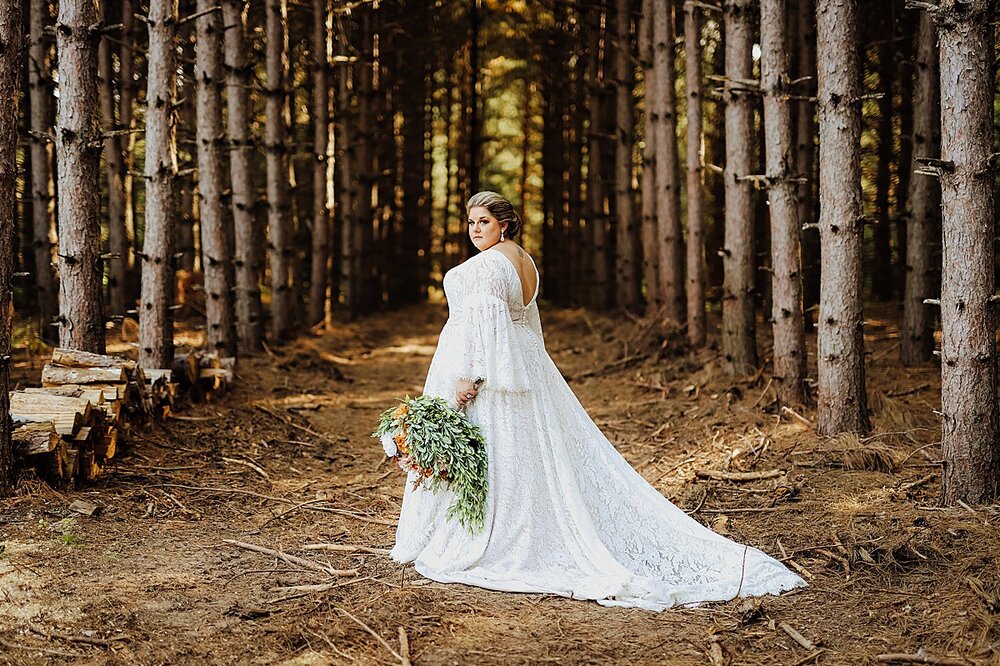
(597, 212)
(364, 168)
(805, 150)
(786, 262)
(156, 326)
(695, 265)
(78, 152)
(843, 403)
(246, 253)
(628, 265)
(275, 139)
(40, 92)
(119, 242)
(883, 270)
(215, 254)
(917, 339)
(126, 142)
(651, 104)
(969, 430)
(346, 145)
(11, 69)
(321, 135)
(738, 317)
(668, 201)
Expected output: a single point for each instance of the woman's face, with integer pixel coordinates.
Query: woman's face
(484, 230)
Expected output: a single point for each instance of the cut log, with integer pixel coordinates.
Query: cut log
(107, 445)
(85, 508)
(86, 392)
(55, 375)
(738, 476)
(74, 358)
(35, 438)
(185, 369)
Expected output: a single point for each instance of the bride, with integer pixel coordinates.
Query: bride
(566, 514)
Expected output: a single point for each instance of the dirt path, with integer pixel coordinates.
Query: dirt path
(286, 461)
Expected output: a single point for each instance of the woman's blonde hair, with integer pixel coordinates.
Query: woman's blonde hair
(500, 207)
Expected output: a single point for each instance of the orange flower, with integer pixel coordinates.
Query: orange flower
(400, 411)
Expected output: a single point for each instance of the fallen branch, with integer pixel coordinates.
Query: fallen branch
(719, 475)
(404, 647)
(323, 509)
(920, 658)
(292, 559)
(797, 637)
(345, 548)
(375, 634)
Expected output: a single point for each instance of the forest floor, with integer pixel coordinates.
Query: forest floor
(286, 460)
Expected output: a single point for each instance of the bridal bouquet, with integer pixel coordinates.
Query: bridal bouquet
(425, 435)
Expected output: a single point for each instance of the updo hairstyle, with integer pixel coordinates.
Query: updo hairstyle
(500, 208)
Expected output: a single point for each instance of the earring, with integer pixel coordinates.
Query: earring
(501, 235)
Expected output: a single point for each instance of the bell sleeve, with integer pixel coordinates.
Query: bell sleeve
(488, 343)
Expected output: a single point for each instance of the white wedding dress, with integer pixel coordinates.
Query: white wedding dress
(566, 514)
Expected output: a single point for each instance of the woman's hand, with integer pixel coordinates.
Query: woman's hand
(465, 392)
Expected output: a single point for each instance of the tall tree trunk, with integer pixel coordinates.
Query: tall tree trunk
(970, 425)
(597, 212)
(473, 102)
(346, 145)
(275, 139)
(917, 339)
(577, 140)
(628, 256)
(187, 201)
(668, 200)
(156, 326)
(318, 281)
(215, 254)
(241, 155)
(364, 168)
(651, 106)
(417, 228)
(843, 403)
(40, 92)
(119, 242)
(78, 152)
(805, 150)
(738, 317)
(11, 69)
(883, 270)
(695, 265)
(786, 263)
(126, 142)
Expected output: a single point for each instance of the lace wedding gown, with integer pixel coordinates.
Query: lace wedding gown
(566, 514)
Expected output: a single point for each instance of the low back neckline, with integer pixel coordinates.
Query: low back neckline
(538, 277)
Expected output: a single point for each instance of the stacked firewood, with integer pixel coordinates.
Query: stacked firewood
(88, 404)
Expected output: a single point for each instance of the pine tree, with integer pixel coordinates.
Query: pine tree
(119, 241)
(695, 265)
(738, 319)
(786, 263)
(246, 250)
(628, 256)
(215, 254)
(156, 327)
(843, 403)
(40, 92)
(318, 282)
(279, 223)
(11, 63)
(917, 336)
(78, 154)
(970, 427)
(668, 201)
